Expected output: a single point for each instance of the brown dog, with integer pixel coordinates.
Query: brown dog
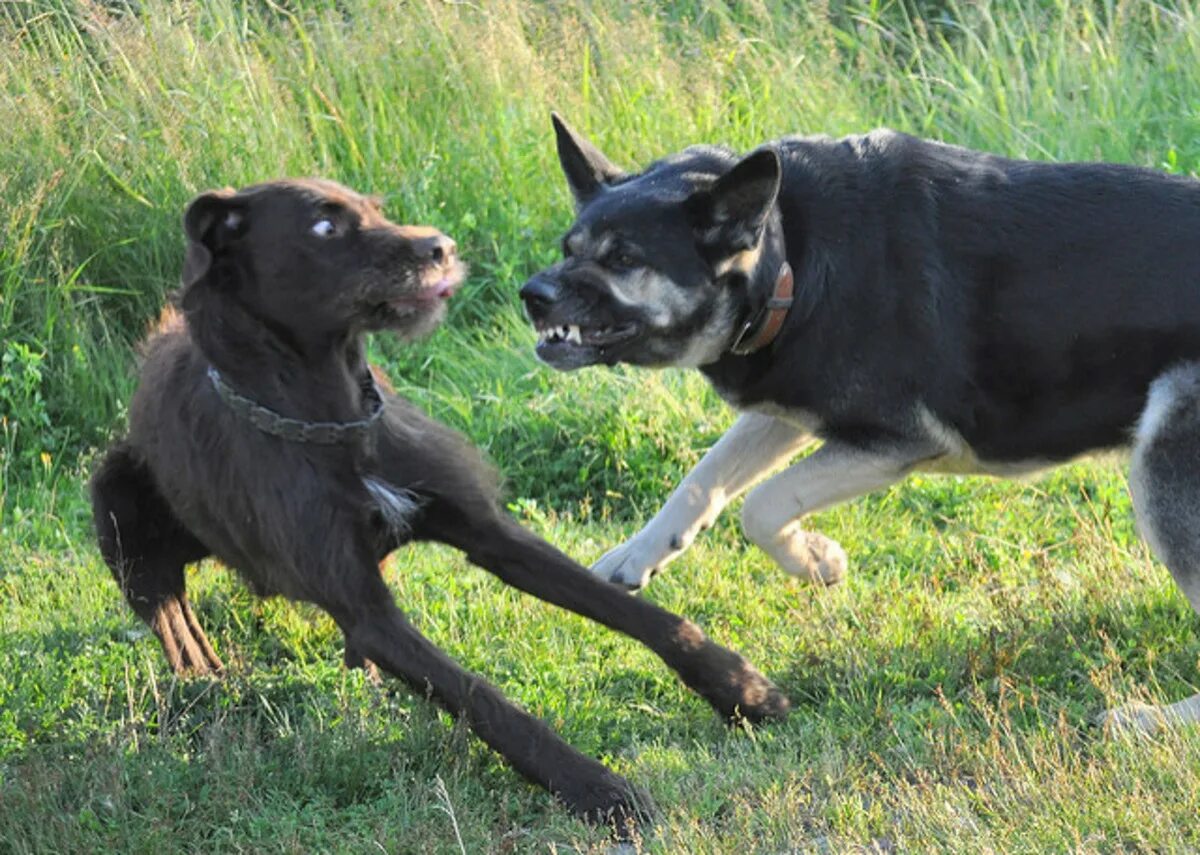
(258, 435)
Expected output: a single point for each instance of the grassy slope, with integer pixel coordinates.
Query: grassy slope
(941, 694)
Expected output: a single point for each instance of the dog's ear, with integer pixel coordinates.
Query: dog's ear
(587, 170)
(210, 222)
(729, 216)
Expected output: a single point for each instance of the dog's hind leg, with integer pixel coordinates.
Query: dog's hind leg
(146, 548)
(1164, 479)
(755, 445)
(833, 473)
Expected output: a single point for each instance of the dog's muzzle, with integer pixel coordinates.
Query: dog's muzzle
(539, 294)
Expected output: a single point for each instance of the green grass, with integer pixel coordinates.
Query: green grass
(941, 696)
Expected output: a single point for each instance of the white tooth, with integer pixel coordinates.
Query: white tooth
(543, 335)
(573, 335)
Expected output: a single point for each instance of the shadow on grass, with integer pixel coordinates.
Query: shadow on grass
(1034, 666)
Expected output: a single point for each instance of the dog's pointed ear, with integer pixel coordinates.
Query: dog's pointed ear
(587, 170)
(730, 214)
(210, 221)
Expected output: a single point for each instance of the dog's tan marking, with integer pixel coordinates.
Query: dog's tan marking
(958, 458)
(169, 320)
(417, 232)
(689, 636)
(577, 241)
(743, 262)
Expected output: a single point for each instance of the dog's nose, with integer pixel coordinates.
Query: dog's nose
(437, 249)
(539, 291)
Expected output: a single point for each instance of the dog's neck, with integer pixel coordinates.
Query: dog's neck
(770, 294)
(735, 370)
(764, 324)
(317, 381)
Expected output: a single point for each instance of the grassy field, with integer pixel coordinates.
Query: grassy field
(941, 696)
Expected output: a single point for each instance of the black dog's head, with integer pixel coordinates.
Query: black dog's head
(663, 267)
(314, 260)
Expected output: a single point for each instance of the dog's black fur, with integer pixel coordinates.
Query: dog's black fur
(1026, 305)
(953, 311)
(281, 282)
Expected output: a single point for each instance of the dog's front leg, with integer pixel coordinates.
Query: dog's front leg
(833, 473)
(376, 628)
(727, 681)
(755, 445)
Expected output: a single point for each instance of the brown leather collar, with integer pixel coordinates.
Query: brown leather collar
(769, 320)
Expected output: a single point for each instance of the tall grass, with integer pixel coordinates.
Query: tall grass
(113, 114)
(940, 693)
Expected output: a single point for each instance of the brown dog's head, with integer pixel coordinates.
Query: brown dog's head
(312, 259)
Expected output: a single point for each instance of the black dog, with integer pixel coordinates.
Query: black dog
(258, 435)
(914, 305)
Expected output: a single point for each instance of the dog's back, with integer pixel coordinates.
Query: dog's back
(992, 286)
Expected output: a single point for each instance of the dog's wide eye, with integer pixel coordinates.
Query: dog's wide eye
(323, 227)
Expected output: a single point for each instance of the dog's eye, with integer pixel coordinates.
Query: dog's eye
(323, 227)
(623, 261)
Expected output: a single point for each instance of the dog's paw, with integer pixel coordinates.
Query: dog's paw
(736, 689)
(810, 556)
(761, 700)
(632, 564)
(609, 800)
(1133, 719)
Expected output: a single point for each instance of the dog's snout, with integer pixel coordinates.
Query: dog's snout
(437, 249)
(539, 291)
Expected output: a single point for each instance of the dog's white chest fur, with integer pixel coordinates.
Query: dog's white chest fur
(398, 506)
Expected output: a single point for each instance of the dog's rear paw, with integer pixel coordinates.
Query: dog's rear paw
(812, 557)
(1133, 719)
(183, 641)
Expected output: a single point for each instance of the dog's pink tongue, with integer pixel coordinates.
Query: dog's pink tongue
(445, 289)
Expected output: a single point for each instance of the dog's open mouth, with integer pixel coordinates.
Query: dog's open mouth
(441, 282)
(437, 284)
(585, 336)
(570, 346)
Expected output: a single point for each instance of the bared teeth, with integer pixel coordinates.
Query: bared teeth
(568, 333)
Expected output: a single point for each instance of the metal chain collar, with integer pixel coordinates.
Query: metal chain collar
(294, 430)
